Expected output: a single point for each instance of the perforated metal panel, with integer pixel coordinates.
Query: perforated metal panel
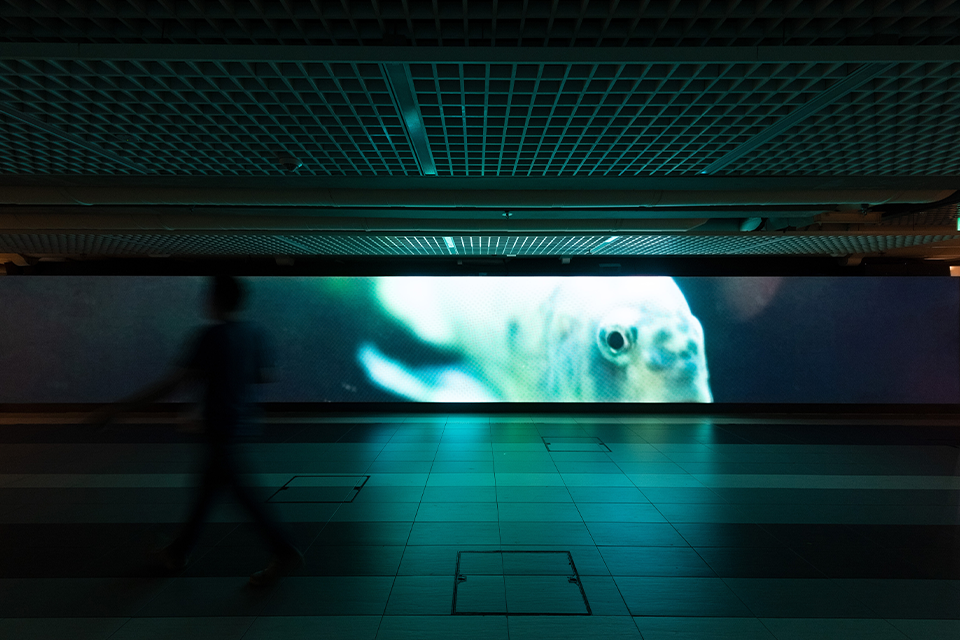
(945, 216)
(238, 118)
(903, 122)
(528, 23)
(800, 244)
(609, 120)
(204, 118)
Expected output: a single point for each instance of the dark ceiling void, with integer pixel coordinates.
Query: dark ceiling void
(520, 23)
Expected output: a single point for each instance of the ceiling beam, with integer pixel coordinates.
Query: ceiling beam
(295, 183)
(401, 89)
(507, 200)
(75, 140)
(535, 55)
(863, 74)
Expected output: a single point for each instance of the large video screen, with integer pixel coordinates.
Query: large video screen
(573, 339)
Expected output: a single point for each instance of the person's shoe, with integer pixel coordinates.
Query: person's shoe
(279, 567)
(172, 560)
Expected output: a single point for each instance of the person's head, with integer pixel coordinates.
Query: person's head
(226, 296)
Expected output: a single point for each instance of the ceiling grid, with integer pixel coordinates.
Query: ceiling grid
(542, 111)
(238, 118)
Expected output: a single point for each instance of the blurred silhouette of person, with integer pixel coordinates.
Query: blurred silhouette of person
(227, 358)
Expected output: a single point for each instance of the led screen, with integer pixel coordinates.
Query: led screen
(503, 339)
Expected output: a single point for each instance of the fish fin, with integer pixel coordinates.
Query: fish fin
(430, 384)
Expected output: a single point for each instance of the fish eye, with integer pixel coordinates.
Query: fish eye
(615, 340)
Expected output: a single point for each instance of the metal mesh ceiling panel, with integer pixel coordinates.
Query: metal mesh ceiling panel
(526, 23)
(26, 150)
(204, 118)
(606, 120)
(237, 118)
(945, 216)
(130, 245)
(903, 122)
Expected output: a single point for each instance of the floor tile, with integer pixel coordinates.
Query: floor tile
(489, 627)
(459, 494)
(455, 533)
(702, 628)
(462, 466)
(479, 594)
(682, 495)
(376, 512)
(539, 511)
(572, 628)
(587, 559)
(325, 596)
(364, 533)
(457, 512)
(758, 562)
(547, 533)
(604, 596)
(76, 597)
(596, 480)
(655, 561)
(832, 629)
(198, 597)
(606, 494)
(721, 534)
(635, 534)
(907, 598)
(189, 628)
(678, 513)
(421, 595)
(435, 560)
(533, 494)
(352, 561)
(389, 494)
(613, 512)
(928, 629)
(312, 627)
(60, 628)
(708, 597)
(543, 595)
(798, 598)
(461, 480)
(529, 480)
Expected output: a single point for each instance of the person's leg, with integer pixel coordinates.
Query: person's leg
(260, 512)
(211, 480)
(286, 557)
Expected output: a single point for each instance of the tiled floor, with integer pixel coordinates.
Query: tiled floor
(676, 528)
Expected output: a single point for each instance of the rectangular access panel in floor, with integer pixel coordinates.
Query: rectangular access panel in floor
(320, 488)
(555, 444)
(526, 583)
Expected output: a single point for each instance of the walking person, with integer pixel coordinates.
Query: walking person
(227, 358)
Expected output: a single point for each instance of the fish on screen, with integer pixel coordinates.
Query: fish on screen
(543, 339)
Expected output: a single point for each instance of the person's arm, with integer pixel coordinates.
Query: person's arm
(187, 368)
(145, 396)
